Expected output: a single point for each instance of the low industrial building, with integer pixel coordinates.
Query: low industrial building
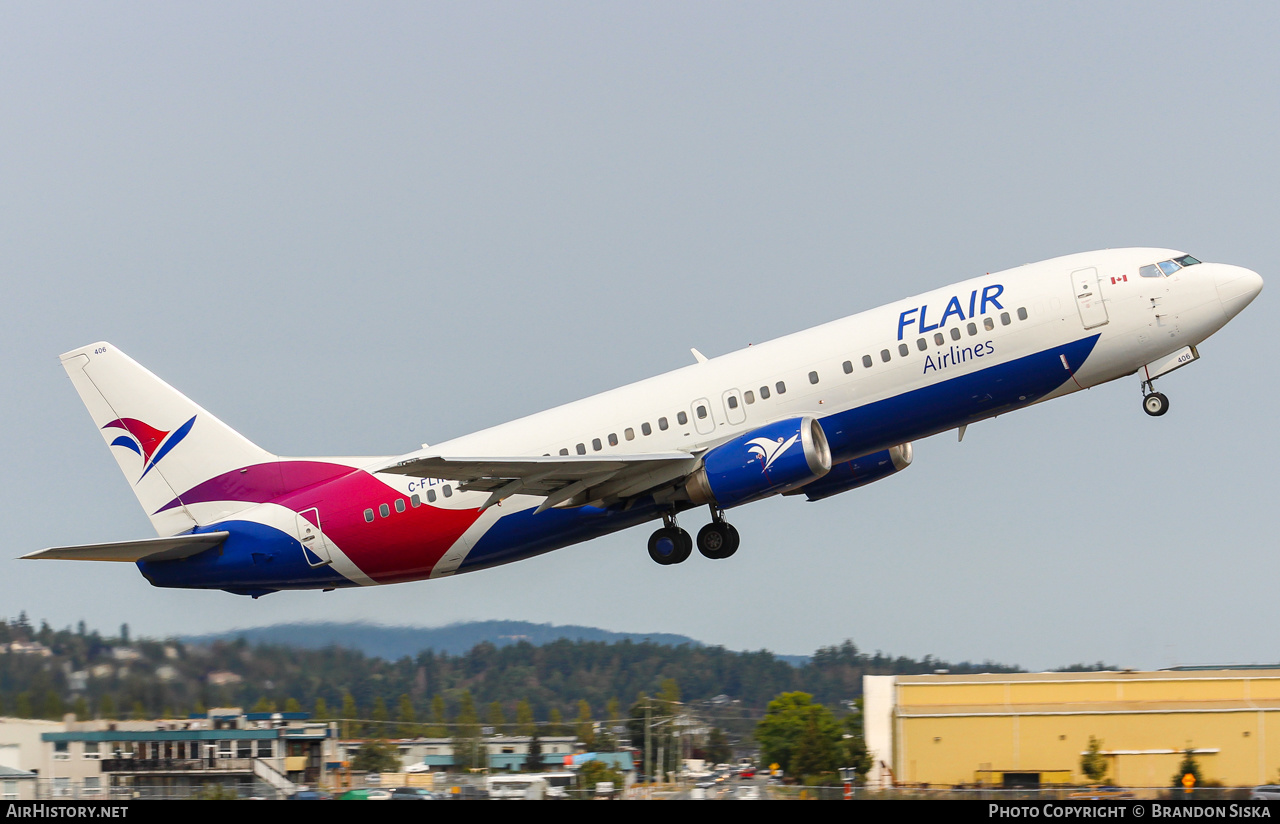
(244, 753)
(1032, 729)
(17, 785)
(502, 753)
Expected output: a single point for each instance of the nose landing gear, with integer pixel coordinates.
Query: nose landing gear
(1155, 404)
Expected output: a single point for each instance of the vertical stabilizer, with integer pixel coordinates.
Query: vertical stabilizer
(164, 443)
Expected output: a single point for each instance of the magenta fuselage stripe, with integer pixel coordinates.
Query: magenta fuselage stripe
(403, 546)
(260, 483)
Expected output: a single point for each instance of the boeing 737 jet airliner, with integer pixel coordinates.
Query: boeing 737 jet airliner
(815, 413)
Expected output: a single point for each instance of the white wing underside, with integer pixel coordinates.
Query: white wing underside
(561, 480)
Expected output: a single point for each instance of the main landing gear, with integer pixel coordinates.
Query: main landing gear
(672, 545)
(717, 539)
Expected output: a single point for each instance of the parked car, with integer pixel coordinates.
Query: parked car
(1267, 792)
(307, 794)
(411, 794)
(365, 795)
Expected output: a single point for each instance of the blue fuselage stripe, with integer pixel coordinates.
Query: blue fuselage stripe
(951, 403)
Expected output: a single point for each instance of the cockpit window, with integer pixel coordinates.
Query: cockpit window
(1167, 267)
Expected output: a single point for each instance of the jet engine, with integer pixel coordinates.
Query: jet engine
(856, 473)
(766, 461)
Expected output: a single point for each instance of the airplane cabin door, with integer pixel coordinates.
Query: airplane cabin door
(734, 412)
(314, 546)
(1088, 291)
(703, 421)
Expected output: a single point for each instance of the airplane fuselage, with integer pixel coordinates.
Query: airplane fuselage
(874, 381)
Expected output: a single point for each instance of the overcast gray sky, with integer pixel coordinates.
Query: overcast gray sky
(353, 228)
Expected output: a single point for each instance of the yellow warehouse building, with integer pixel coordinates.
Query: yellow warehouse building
(1029, 729)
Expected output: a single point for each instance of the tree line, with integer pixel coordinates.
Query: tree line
(560, 684)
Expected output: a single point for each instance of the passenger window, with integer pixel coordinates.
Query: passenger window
(973, 329)
(400, 505)
(595, 444)
(732, 402)
(368, 516)
(682, 419)
(564, 451)
(884, 355)
(813, 377)
(764, 393)
(866, 361)
(1004, 319)
(415, 501)
(781, 387)
(702, 412)
(431, 496)
(848, 367)
(988, 324)
(613, 439)
(938, 339)
(646, 429)
(1022, 313)
(384, 511)
(629, 434)
(903, 350)
(581, 449)
(749, 397)
(955, 333)
(922, 344)
(447, 491)
(662, 424)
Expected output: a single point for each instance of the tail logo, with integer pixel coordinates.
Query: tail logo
(149, 443)
(769, 451)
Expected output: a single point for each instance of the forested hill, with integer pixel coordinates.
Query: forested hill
(46, 672)
(390, 642)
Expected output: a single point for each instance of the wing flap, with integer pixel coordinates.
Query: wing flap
(148, 549)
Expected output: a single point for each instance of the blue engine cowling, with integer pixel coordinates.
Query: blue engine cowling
(763, 462)
(858, 472)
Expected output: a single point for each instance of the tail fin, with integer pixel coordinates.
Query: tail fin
(164, 443)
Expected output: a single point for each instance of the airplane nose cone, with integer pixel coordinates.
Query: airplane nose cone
(1237, 287)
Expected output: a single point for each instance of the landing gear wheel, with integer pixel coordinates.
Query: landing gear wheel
(718, 540)
(670, 545)
(731, 545)
(712, 539)
(1155, 404)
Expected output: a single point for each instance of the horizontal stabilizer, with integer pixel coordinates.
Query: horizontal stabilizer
(149, 549)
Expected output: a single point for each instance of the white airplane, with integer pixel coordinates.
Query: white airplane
(815, 413)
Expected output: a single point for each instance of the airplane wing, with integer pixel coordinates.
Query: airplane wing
(148, 549)
(561, 480)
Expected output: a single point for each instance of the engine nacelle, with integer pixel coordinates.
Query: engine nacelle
(858, 472)
(766, 461)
